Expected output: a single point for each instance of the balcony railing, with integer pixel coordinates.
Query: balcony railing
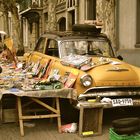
(26, 4)
(61, 6)
(71, 3)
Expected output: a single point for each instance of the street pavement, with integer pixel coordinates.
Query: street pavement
(47, 130)
(44, 130)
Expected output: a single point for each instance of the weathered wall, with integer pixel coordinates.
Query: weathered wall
(3, 24)
(106, 12)
(81, 13)
(131, 56)
(2, 21)
(51, 15)
(127, 10)
(127, 24)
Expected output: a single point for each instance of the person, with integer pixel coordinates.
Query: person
(9, 51)
(8, 41)
(6, 54)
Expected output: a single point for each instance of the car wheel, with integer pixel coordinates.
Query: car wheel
(127, 130)
(125, 122)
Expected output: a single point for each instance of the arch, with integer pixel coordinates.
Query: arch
(62, 24)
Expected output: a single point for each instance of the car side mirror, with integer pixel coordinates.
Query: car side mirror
(120, 57)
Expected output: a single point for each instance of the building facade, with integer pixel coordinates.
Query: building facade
(128, 30)
(4, 19)
(120, 21)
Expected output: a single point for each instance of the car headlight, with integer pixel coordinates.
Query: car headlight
(86, 80)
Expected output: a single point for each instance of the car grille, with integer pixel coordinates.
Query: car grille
(112, 92)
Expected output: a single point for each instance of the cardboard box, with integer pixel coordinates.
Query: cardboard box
(9, 115)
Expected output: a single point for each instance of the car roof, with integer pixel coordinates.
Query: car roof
(72, 35)
(78, 31)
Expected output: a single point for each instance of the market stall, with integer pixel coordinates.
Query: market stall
(16, 81)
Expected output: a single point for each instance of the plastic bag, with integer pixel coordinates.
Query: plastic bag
(69, 128)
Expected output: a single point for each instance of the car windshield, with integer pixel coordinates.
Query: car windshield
(99, 48)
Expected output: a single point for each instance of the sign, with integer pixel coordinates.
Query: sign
(122, 102)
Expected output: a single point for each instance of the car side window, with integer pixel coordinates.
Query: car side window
(52, 48)
(41, 45)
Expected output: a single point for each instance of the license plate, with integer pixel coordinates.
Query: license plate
(122, 102)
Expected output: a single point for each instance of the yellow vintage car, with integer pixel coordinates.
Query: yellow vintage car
(84, 59)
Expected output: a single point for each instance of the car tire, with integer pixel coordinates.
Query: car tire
(127, 130)
(125, 122)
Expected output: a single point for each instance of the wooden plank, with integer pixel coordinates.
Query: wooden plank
(20, 116)
(39, 116)
(45, 105)
(59, 117)
(81, 120)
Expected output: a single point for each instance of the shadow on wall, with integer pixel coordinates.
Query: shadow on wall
(131, 56)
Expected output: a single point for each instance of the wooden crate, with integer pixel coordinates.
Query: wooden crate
(8, 108)
(9, 115)
(90, 119)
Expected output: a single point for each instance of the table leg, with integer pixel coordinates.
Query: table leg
(59, 117)
(20, 116)
(0, 111)
(53, 105)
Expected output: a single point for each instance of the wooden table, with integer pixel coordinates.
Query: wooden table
(36, 97)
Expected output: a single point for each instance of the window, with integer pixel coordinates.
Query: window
(62, 24)
(98, 47)
(46, 17)
(90, 9)
(25, 32)
(52, 48)
(36, 3)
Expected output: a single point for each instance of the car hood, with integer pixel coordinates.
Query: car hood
(113, 72)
